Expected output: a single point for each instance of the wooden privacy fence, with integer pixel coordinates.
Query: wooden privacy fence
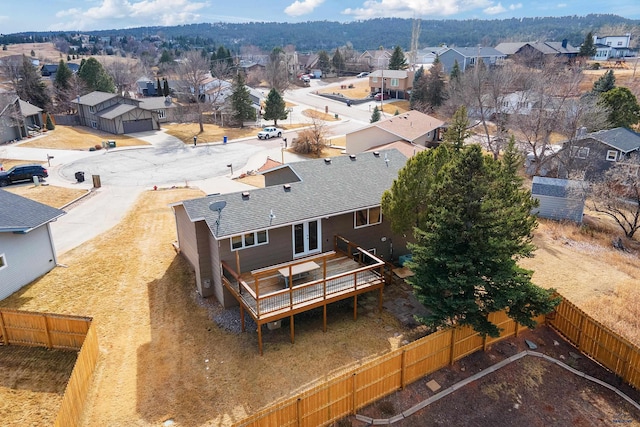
(60, 332)
(598, 342)
(347, 393)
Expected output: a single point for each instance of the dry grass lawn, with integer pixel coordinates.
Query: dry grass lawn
(359, 90)
(50, 195)
(214, 133)
(315, 114)
(161, 355)
(78, 138)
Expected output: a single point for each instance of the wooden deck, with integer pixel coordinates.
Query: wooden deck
(268, 297)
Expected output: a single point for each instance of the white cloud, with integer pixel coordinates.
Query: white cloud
(561, 5)
(515, 6)
(130, 13)
(304, 7)
(494, 10)
(412, 8)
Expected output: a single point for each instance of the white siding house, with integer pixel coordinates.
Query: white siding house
(26, 246)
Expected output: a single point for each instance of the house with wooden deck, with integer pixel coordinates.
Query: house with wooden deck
(312, 236)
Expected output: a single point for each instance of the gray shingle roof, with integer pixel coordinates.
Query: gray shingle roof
(326, 189)
(20, 214)
(116, 110)
(556, 187)
(94, 98)
(483, 52)
(621, 139)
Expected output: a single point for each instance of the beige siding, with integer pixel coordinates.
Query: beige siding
(367, 138)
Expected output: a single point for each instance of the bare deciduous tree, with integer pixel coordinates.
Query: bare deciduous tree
(194, 71)
(312, 140)
(124, 75)
(276, 70)
(617, 195)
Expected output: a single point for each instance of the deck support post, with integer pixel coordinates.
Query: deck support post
(324, 318)
(355, 307)
(380, 300)
(243, 328)
(291, 328)
(260, 338)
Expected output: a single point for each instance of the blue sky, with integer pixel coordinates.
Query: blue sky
(57, 15)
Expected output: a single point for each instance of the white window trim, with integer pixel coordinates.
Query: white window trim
(374, 79)
(3, 261)
(578, 150)
(395, 83)
(94, 124)
(612, 155)
(161, 114)
(255, 239)
(92, 109)
(368, 224)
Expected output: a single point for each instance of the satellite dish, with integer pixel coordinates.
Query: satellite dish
(217, 206)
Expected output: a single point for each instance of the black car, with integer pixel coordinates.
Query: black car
(22, 173)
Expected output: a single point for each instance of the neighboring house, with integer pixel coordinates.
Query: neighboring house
(26, 245)
(376, 59)
(560, 199)
(50, 70)
(395, 83)
(612, 47)
(248, 248)
(426, 56)
(18, 119)
(535, 54)
(509, 104)
(163, 106)
(116, 114)
(594, 153)
(469, 57)
(413, 128)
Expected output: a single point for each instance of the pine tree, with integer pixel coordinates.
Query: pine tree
(605, 83)
(398, 60)
(473, 222)
(158, 87)
(375, 116)
(337, 61)
(454, 76)
(165, 87)
(324, 63)
(417, 94)
(93, 74)
(30, 87)
(434, 90)
(241, 101)
(63, 76)
(275, 107)
(623, 107)
(587, 49)
(458, 130)
(49, 124)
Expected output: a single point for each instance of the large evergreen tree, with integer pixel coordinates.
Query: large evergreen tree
(434, 91)
(417, 95)
(458, 130)
(63, 76)
(274, 107)
(324, 63)
(375, 116)
(587, 49)
(94, 76)
(241, 101)
(623, 107)
(29, 85)
(337, 61)
(474, 223)
(398, 60)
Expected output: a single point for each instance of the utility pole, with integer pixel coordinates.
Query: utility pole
(415, 35)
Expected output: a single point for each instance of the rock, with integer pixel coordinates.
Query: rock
(576, 356)
(556, 342)
(531, 344)
(433, 385)
(562, 357)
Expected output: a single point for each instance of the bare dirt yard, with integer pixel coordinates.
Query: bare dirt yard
(528, 392)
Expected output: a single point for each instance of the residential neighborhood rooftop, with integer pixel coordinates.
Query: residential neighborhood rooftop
(19, 214)
(619, 138)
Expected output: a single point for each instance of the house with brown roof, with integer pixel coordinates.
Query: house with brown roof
(412, 131)
(395, 83)
(534, 54)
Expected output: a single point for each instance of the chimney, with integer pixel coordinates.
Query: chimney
(564, 43)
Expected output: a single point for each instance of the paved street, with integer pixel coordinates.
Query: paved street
(167, 162)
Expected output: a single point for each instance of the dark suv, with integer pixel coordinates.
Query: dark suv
(22, 173)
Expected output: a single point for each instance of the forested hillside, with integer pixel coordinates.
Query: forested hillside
(362, 35)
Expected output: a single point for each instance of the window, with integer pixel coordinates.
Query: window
(374, 79)
(612, 155)
(619, 43)
(94, 124)
(366, 217)
(580, 152)
(248, 240)
(92, 109)
(3, 261)
(161, 114)
(394, 83)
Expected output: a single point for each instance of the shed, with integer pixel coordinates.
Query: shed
(560, 199)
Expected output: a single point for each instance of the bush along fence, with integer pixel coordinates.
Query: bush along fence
(345, 394)
(57, 331)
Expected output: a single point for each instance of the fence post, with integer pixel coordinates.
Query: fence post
(298, 412)
(354, 392)
(46, 331)
(484, 343)
(453, 346)
(403, 366)
(3, 331)
(517, 329)
(580, 325)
